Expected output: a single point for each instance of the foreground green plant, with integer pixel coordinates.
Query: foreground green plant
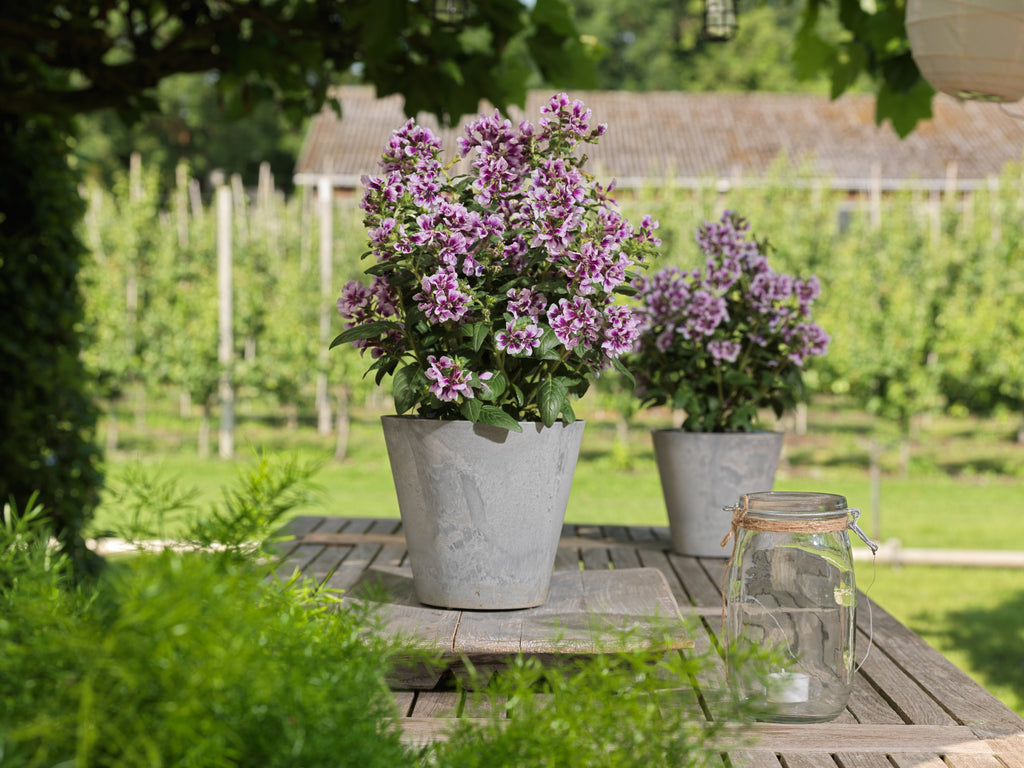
(149, 505)
(188, 660)
(611, 710)
(202, 658)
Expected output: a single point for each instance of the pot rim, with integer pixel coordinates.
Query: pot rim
(446, 422)
(677, 430)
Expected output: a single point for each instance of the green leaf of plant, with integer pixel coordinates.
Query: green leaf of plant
(568, 414)
(546, 350)
(385, 368)
(901, 72)
(373, 330)
(493, 415)
(477, 333)
(627, 289)
(620, 366)
(552, 400)
(494, 387)
(404, 387)
(555, 15)
(471, 408)
(737, 379)
(847, 65)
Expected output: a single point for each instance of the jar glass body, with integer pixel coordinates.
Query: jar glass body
(790, 589)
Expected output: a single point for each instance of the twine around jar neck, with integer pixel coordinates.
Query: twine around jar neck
(846, 519)
(741, 520)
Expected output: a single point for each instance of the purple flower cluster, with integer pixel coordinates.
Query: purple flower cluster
(449, 379)
(512, 271)
(735, 313)
(359, 304)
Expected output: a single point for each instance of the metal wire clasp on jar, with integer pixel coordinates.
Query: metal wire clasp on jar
(790, 588)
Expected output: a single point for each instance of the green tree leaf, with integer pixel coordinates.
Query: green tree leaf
(904, 110)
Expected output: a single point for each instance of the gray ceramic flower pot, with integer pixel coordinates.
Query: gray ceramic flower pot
(482, 507)
(702, 472)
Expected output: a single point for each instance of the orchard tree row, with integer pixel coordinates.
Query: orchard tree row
(921, 292)
(152, 299)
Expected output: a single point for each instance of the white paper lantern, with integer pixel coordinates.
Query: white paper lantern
(971, 49)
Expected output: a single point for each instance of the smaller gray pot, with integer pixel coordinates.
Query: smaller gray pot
(702, 472)
(482, 507)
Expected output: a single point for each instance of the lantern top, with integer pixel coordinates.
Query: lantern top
(798, 504)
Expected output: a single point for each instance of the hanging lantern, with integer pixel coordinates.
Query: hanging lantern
(970, 49)
(720, 20)
(449, 14)
(790, 589)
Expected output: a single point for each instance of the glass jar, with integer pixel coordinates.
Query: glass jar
(790, 589)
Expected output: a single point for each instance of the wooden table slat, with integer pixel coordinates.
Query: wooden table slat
(917, 760)
(403, 701)
(868, 706)
(438, 704)
(863, 759)
(799, 760)
(754, 758)
(700, 588)
(973, 761)
(328, 559)
(298, 559)
(902, 692)
(806, 740)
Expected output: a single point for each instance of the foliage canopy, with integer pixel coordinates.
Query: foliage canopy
(68, 58)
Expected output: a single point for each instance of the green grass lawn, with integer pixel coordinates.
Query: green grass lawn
(961, 487)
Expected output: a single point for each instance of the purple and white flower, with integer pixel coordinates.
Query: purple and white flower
(442, 298)
(519, 338)
(448, 379)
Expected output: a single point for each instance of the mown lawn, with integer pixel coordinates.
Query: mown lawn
(961, 486)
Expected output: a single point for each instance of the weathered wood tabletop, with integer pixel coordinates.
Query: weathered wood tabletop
(910, 706)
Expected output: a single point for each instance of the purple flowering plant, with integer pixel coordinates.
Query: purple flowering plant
(497, 295)
(721, 341)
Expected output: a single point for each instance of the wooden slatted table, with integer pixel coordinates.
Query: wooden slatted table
(910, 707)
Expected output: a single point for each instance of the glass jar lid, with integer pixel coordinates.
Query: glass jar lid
(799, 504)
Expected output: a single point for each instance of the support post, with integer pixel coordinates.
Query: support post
(225, 348)
(325, 204)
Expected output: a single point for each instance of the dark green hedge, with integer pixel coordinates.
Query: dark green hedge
(47, 419)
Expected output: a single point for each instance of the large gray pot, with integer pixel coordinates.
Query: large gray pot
(702, 472)
(482, 507)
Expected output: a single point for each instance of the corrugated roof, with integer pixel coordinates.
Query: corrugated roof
(693, 137)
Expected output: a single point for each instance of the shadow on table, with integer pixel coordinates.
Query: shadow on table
(993, 638)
